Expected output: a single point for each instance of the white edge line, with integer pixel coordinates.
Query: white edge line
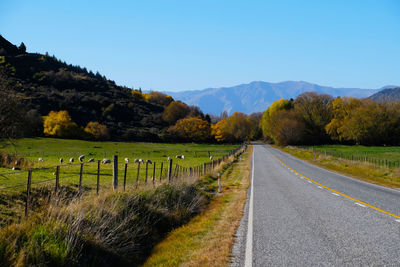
(248, 259)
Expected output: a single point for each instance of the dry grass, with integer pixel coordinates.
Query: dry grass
(208, 238)
(389, 177)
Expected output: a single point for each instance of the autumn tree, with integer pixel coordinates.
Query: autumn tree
(233, 129)
(158, 98)
(342, 110)
(175, 111)
(268, 121)
(191, 129)
(97, 130)
(60, 124)
(315, 111)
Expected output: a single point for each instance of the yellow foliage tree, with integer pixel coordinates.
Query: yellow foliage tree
(59, 124)
(97, 130)
(235, 128)
(192, 129)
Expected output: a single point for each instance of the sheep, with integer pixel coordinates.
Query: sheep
(40, 159)
(139, 160)
(126, 160)
(180, 156)
(81, 158)
(19, 161)
(61, 160)
(91, 160)
(16, 169)
(71, 160)
(211, 157)
(106, 161)
(169, 158)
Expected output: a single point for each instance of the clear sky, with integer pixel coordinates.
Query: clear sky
(184, 45)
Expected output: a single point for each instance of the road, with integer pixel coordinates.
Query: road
(302, 215)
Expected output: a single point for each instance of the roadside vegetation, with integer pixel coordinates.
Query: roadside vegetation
(381, 175)
(208, 238)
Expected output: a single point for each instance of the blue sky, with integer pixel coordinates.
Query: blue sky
(185, 45)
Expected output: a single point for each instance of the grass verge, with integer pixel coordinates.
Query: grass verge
(208, 238)
(389, 177)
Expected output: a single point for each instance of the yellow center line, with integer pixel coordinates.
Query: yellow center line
(337, 192)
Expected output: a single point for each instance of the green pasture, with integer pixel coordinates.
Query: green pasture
(51, 150)
(391, 153)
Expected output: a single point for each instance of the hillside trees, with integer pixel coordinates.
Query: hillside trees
(97, 130)
(192, 130)
(174, 111)
(60, 124)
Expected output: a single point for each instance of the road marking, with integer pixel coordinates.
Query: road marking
(359, 204)
(309, 181)
(337, 192)
(398, 221)
(320, 187)
(248, 259)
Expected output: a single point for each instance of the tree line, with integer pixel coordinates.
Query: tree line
(313, 118)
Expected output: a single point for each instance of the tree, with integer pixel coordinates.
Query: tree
(60, 124)
(12, 113)
(315, 111)
(22, 48)
(192, 129)
(174, 111)
(268, 120)
(97, 130)
(157, 98)
(235, 128)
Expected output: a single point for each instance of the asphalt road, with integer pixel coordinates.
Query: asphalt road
(302, 215)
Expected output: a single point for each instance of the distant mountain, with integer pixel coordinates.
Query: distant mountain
(257, 96)
(391, 95)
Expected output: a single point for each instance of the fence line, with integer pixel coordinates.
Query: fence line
(382, 162)
(169, 174)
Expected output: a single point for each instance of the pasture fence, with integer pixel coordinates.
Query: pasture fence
(359, 158)
(90, 176)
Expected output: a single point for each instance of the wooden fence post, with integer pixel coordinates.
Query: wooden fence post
(115, 172)
(98, 177)
(126, 170)
(137, 176)
(154, 172)
(147, 165)
(161, 169)
(169, 170)
(57, 178)
(80, 177)
(28, 193)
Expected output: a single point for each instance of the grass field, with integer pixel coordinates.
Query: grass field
(391, 153)
(51, 150)
(364, 163)
(13, 183)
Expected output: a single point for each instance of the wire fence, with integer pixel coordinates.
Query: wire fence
(360, 158)
(106, 175)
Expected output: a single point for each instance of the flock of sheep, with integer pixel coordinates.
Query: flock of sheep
(81, 159)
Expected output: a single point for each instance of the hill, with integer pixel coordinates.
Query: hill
(257, 96)
(390, 95)
(45, 83)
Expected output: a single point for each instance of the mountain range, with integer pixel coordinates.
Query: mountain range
(257, 96)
